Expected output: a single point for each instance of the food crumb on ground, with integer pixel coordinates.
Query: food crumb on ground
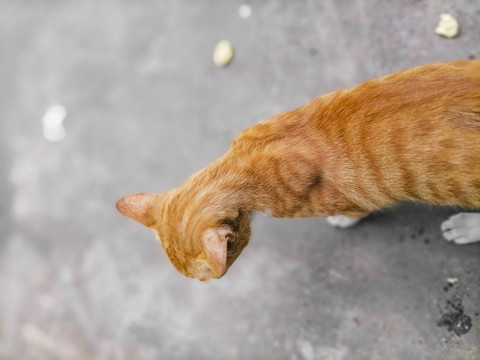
(223, 53)
(447, 26)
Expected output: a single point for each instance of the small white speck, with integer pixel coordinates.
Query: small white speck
(54, 134)
(245, 11)
(54, 116)
(53, 129)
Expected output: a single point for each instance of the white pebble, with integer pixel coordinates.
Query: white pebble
(53, 129)
(223, 53)
(447, 26)
(54, 116)
(245, 11)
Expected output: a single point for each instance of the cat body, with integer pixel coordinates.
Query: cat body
(409, 136)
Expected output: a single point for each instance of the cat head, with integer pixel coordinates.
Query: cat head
(200, 238)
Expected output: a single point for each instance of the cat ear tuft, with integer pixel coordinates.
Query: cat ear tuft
(215, 243)
(139, 207)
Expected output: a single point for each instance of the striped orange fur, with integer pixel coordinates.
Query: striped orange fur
(413, 135)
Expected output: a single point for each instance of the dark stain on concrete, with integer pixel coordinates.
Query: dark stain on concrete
(455, 318)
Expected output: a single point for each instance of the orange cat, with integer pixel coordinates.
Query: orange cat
(413, 135)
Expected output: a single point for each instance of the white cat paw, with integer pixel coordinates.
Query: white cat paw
(342, 221)
(462, 228)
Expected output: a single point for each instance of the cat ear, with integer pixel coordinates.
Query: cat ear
(139, 207)
(215, 243)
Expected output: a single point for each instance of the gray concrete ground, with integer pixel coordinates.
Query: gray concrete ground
(146, 108)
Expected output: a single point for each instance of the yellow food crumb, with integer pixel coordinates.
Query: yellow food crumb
(223, 53)
(447, 26)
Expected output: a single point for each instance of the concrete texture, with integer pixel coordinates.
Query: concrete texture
(146, 108)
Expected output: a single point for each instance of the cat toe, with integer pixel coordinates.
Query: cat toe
(462, 228)
(342, 221)
(463, 240)
(447, 225)
(452, 234)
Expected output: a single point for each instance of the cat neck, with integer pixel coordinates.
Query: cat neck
(274, 174)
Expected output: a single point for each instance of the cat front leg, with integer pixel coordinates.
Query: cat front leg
(462, 228)
(342, 221)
